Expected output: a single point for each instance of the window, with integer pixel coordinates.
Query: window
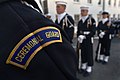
(98, 17)
(90, 15)
(44, 5)
(99, 3)
(89, 1)
(118, 16)
(76, 0)
(114, 16)
(119, 3)
(114, 2)
(76, 17)
(109, 2)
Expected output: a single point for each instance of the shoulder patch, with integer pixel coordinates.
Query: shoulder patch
(26, 49)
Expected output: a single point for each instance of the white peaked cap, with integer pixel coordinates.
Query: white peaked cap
(84, 7)
(61, 2)
(106, 11)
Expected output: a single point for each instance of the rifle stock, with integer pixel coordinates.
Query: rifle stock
(77, 52)
(77, 47)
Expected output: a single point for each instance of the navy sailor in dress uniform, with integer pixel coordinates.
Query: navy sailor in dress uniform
(65, 21)
(105, 32)
(31, 46)
(85, 33)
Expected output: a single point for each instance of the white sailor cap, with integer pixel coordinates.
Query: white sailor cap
(105, 12)
(84, 7)
(61, 3)
(48, 14)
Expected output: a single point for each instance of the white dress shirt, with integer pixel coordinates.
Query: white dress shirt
(84, 18)
(61, 16)
(104, 20)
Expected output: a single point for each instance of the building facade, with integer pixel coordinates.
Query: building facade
(96, 7)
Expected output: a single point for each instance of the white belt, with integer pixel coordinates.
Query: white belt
(86, 32)
(92, 39)
(110, 36)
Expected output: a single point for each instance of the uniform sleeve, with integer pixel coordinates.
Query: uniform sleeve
(71, 20)
(62, 54)
(110, 29)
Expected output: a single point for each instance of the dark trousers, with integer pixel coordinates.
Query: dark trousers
(87, 52)
(105, 47)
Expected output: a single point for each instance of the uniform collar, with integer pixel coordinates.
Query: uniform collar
(61, 16)
(84, 18)
(104, 20)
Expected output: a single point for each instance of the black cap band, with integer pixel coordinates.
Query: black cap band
(105, 13)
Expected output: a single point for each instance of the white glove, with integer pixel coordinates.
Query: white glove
(102, 34)
(81, 38)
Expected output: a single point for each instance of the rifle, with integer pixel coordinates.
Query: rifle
(77, 47)
(98, 52)
(77, 51)
(89, 22)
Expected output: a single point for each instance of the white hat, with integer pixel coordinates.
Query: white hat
(48, 14)
(106, 12)
(84, 7)
(61, 2)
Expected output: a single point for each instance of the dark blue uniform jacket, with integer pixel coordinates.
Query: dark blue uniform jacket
(32, 47)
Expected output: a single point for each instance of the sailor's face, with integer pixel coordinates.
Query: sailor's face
(49, 17)
(84, 12)
(60, 9)
(105, 16)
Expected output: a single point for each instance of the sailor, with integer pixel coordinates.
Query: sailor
(31, 46)
(105, 32)
(48, 16)
(85, 33)
(65, 21)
